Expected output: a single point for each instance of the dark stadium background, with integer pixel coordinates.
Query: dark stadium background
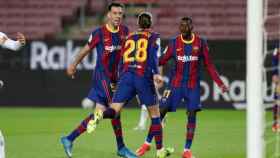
(54, 23)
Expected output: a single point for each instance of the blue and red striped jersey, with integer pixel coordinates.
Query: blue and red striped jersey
(108, 47)
(188, 56)
(275, 62)
(140, 53)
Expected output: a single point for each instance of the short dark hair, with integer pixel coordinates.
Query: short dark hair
(187, 18)
(115, 4)
(145, 20)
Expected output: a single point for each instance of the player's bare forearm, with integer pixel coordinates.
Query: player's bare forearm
(80, 56)
(21, 38)
(71, 69)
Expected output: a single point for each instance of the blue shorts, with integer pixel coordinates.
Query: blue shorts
(101, 90)
(131, 84)
(173, 97)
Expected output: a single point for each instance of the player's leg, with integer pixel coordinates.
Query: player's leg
(276, 125)
(143, 118)
(67, 141)
(192, 100)
(168, 102)
(108, 88)
(105, 93)
(156, 131)
(276, 110)
(122, 95)
(147, 96)
(190, 126)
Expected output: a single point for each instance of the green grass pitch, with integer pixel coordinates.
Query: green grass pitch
(35, 132)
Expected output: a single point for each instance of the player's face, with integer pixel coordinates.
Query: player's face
(115, 16)
(186, 27)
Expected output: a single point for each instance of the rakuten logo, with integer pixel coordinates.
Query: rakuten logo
(187, 58)
(112, 48)
(57, 57)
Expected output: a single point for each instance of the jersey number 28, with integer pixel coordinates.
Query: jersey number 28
(140, 46)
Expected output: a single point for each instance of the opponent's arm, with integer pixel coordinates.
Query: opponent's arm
(8, 43)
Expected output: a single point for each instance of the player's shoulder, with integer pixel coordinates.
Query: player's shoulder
(124, 27)
(96, 30)
(155, 33)
(202, 38)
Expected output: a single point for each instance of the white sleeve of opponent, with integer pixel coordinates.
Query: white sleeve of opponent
(12, 45)
(9, 44)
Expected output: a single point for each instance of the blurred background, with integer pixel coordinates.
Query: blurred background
(57, 29)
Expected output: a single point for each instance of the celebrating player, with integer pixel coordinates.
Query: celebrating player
(275, 79)
(189, 51)
(139, 70)
(8, 43)
(107, 40)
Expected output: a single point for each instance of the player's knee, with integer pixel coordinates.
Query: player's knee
(117, 107)
(154, 111)
(100, 107)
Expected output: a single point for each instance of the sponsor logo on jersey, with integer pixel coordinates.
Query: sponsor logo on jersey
(187, 58)
(112, 48)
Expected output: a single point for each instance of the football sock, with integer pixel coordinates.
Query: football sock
(117, 127)
(80, 129)
(275, 113)
(156, 131)
(163, 112)
(191, 124)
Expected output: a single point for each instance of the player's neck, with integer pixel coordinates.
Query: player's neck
(112, 28)
(145, 30)
(187, 38)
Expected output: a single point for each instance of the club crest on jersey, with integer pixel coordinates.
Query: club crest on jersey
(112, 48)
(195, 48)
(178, 49)
(187, 58)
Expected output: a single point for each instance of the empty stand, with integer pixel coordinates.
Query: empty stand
(216, 19)
(36, 19)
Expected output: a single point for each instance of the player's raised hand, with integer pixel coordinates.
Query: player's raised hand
(71, 70)
(21, 38)
(2, 40)
(158, 78)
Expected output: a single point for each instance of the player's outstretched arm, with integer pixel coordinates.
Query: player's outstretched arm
(71, 69)
(8, 43)
(211, 69)
(21, 38)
